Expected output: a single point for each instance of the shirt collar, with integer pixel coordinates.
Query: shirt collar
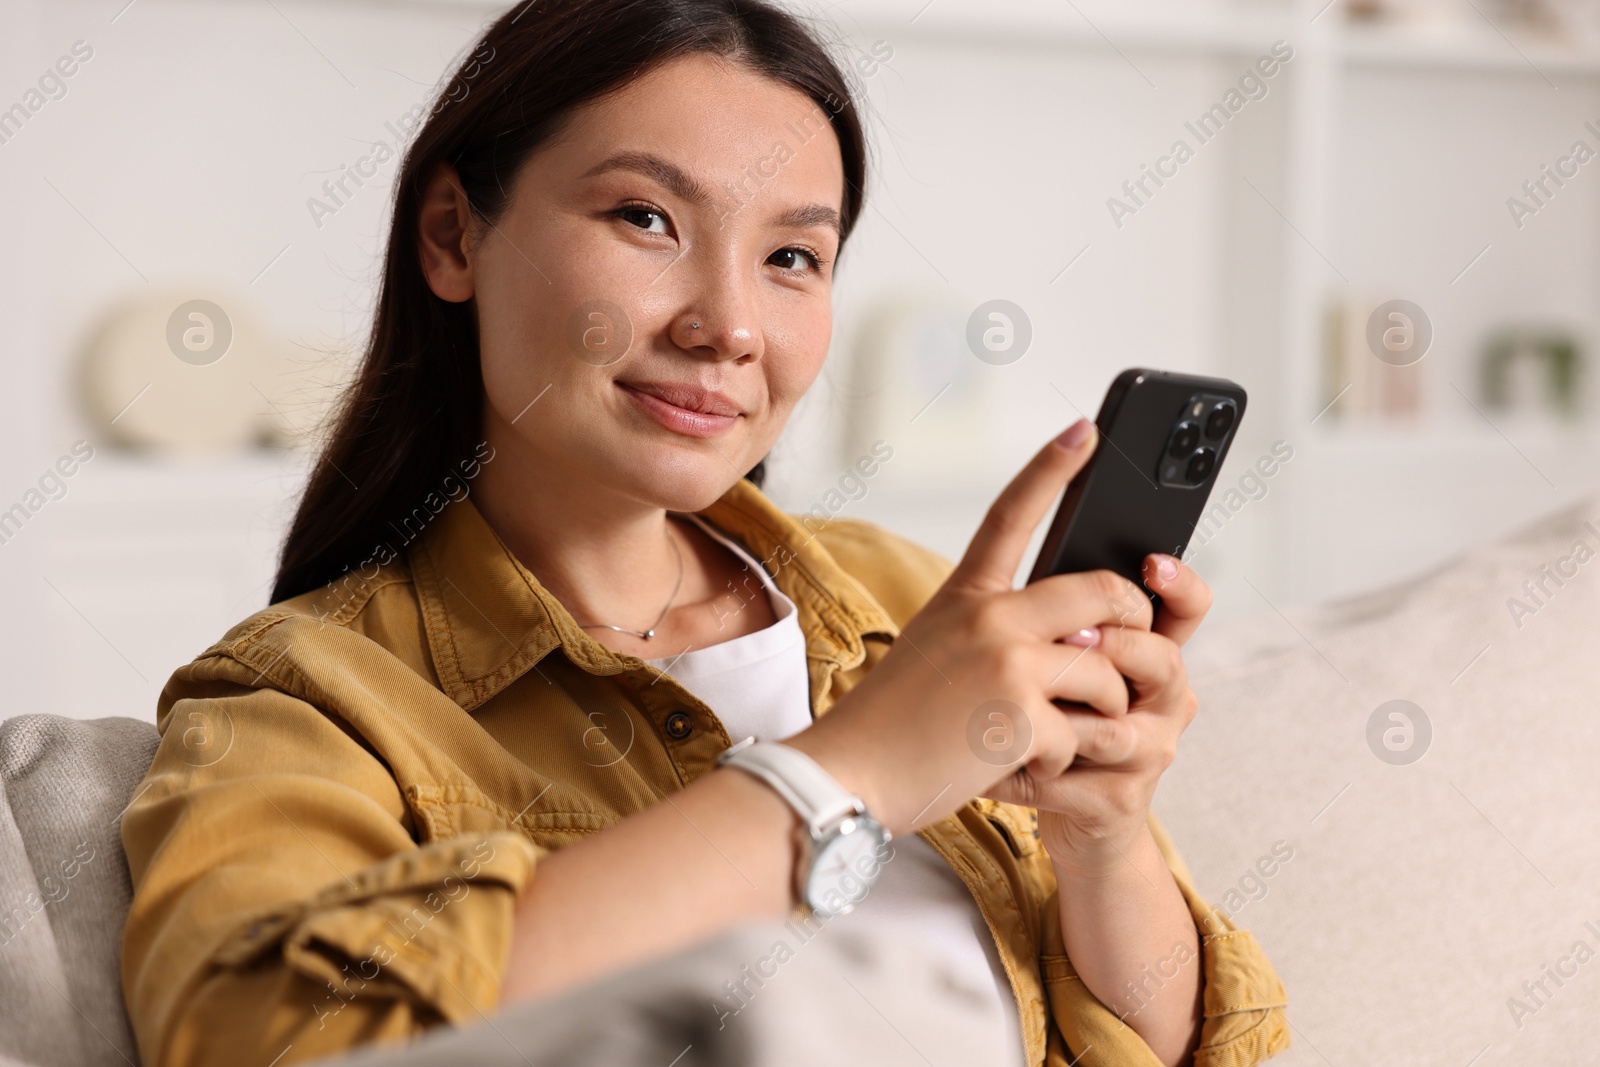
(488, 619)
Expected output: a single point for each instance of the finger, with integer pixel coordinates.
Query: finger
(1051, 750)
(1062, 604)
(1104, 741)
(1053, 758)
(1152, 664)
(996, 550)
(1018, 788)
(1015, 739)
(1086, 676)
(1185, 597)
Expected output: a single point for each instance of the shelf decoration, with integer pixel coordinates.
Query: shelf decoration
(193, 371)
(1365, 379)
(1550, 20)
(1532, 370)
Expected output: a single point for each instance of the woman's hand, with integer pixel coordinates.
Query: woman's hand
(968, 689)
(1120, 907)
(1091, 815)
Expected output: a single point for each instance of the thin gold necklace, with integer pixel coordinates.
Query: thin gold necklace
(648, 634)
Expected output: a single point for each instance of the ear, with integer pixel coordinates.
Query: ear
(443, 226)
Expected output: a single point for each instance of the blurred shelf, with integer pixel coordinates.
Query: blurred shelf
(117, 476)
(1462, 465)
(1465, 48)
(1545, 435)
(135, 508)
(1193, 28)
(1145, 27)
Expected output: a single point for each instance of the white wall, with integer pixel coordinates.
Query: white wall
(184, 153)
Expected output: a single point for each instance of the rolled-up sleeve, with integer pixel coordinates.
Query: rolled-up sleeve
(282, 902)
(1242, 999)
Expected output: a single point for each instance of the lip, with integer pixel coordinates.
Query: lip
(685, 409)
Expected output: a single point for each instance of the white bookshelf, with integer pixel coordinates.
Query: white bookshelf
(161, 557)
(1380, 501)
(1336, 526)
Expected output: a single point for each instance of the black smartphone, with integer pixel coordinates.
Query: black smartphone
(1163, 438)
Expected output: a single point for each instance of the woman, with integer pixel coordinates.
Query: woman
(470, 757)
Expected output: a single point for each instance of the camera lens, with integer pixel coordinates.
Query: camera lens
(1201, 463)
(1220, 421)
(1184, 440)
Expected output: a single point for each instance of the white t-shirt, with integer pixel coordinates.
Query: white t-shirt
(758, 686)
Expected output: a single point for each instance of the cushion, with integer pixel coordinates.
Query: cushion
(64, 887)
(1406, 886)
(762, 995)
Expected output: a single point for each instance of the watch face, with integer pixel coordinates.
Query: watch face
(846, 864)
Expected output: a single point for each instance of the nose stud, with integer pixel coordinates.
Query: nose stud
(694, 326)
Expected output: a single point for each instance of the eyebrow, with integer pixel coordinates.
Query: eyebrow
(812, 215)
(668, 174)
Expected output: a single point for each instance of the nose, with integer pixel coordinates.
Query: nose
(722, 322)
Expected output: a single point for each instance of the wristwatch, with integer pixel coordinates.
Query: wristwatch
(841, 848)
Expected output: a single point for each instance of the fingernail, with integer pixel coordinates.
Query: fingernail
(1085, 638)
(1075, 435)
(1167, 567)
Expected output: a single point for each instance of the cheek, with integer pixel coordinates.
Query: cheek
(526, 322)
(796, 351)
(514, 323)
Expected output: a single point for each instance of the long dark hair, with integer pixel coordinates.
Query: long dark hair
(415, 408)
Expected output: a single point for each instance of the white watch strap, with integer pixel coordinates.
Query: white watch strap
(799, 779)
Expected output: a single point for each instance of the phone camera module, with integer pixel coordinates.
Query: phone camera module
(1196, 439)
(1220, 421)
(1184, 440)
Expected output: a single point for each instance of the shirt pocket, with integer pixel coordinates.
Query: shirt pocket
(1018, 825)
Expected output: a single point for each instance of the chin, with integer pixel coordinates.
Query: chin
(683, 486)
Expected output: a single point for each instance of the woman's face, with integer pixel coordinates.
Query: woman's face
(700, 193)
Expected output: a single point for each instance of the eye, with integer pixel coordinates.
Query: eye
(795, 252)
(640, 215)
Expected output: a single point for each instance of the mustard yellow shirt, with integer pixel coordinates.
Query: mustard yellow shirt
(353, 787)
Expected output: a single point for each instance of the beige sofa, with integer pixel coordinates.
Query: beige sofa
(1420, 896)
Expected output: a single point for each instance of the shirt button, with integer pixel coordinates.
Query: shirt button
(679, 725)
